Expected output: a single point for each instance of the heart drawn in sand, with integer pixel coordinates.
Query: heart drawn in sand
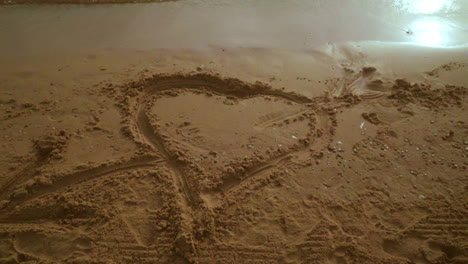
(186, 118)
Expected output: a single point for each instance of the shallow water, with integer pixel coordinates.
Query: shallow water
(296, 25)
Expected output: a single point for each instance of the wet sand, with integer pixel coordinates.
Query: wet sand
(341, 153)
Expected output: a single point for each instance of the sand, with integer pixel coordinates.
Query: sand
(195, 167)
(340, 153)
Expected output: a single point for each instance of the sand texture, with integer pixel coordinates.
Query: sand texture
(202, 168)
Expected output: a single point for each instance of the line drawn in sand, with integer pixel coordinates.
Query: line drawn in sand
(192, 204)
(74, 178)
(192, 200)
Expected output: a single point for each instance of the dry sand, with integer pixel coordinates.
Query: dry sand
(103, 164)
(339, 154)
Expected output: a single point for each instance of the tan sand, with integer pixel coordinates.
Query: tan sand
(197, 168)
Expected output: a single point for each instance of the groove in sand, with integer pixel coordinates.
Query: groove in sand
(281, 118)
(156, 141)
(256, 171)
(83, 176)
(222, 88)
(22, 176)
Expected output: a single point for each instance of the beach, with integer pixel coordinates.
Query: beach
(218, 132)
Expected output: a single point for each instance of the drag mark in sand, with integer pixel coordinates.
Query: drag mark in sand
(156, 141)
(272, 120)
(82, 176)
(224, 87)
(26, 173)
(274, 163)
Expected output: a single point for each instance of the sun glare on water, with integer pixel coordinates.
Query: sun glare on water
(429, 25)
(430, 32)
